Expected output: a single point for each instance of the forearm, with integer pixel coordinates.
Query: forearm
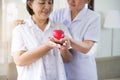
(66, 55)
(30, 56)
(83, 46)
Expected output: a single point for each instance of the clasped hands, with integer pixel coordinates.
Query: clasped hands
(61, 44)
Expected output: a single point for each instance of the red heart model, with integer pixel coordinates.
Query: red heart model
(58, 34)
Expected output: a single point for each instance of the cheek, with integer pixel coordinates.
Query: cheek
(51, 9)
(36, 9)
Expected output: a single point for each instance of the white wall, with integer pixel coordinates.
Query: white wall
(0, 17)
(105, 47)
(60, 4)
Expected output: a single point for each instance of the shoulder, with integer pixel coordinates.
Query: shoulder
(20, 27)
(93, 13)
(93, 16)
(17, 28)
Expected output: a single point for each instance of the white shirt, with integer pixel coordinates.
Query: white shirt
(85, 26)
(49, 67)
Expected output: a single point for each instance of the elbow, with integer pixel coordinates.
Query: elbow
(18, 59)
(19, 64)
(85, 51)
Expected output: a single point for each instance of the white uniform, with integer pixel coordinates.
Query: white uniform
(86, 26)
(49, 67)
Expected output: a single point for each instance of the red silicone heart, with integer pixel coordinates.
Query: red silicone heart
(58, 34)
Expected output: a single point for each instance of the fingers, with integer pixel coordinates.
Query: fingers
(66, 38)
(55, 40)
(63, 43)
(17, 22)
(53, 44)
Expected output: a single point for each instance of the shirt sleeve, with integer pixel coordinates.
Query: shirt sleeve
(17, 41)
(93, 31)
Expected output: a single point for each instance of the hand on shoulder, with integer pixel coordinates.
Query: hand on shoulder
(17, 22)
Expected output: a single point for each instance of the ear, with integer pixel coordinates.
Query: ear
(29, 3)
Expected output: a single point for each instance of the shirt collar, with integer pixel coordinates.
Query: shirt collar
(31, 24)
(80, 15)
(67, 15)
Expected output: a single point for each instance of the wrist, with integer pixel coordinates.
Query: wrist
(47, 46)
(71, 41)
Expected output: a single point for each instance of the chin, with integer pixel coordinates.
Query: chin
(72, 8)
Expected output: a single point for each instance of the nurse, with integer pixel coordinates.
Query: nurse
(84, 25)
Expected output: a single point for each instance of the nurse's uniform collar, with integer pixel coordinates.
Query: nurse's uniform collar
(80, 15)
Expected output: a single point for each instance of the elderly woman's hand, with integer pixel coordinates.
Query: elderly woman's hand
(62, 43)
(52, 43)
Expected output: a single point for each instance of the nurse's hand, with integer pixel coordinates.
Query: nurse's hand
(60, 44)
(63, 46)
(66, 41)
(18, 22)
(65, 52)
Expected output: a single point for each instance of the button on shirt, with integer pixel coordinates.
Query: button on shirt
(28, 36)
(85, 26)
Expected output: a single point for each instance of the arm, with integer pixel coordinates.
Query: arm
(65, 52)
(23, 57)
(63, 48)
(91, 36)
(83, 46)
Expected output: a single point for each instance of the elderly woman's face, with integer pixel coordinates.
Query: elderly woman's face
(76, 4)
(42, 8)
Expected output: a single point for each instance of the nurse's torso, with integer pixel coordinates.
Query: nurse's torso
(82, 67)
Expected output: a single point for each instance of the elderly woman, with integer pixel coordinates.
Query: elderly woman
(38, 57)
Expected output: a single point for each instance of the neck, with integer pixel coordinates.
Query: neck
(74, 14)
(41, 23)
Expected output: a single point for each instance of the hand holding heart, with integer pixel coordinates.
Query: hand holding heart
(59, 40)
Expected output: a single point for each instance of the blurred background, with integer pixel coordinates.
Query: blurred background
(108, 46)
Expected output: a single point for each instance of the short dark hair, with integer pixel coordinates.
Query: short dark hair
(29, 9)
